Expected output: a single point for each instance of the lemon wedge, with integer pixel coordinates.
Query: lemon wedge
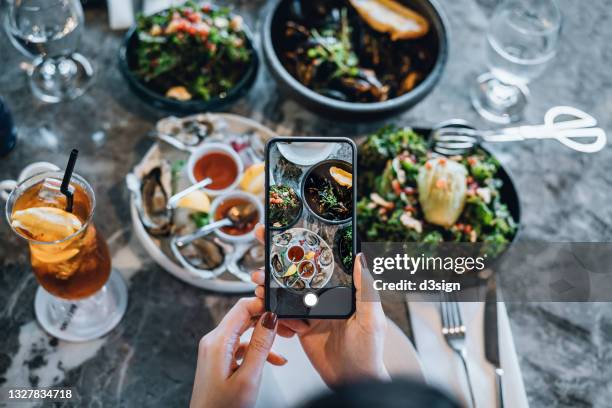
(342, 177)
(254, 179)
(292, 269)
(46, 224)
(196, 201)
(309, 255)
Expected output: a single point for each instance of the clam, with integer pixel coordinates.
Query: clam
(203, 253)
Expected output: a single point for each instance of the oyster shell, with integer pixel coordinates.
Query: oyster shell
(318, 281)
(203, 253)
(277, 265)
(283, 239)
(188, 132)
(155, 177)
(326, 257)
(253, 258)
(312, 241)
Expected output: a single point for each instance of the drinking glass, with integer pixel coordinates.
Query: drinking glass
(521, 40)
(49, 32)
(80, 297)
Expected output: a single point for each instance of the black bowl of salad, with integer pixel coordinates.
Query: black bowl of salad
(408, 194)
(189, 58)
(285, 207)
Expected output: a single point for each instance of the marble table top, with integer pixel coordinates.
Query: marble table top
(565, 349)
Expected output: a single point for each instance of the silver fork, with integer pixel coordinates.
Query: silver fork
(453, 330)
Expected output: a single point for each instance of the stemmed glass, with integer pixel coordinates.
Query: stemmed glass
(80, 297)
(521, 40)
(49, 31)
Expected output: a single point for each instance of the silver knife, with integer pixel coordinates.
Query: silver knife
(491, 337)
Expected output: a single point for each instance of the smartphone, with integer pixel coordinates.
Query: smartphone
(310, 223)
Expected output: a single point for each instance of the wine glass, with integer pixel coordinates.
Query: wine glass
(49, 32)
(521, 40)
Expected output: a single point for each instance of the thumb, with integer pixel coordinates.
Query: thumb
(367, 298)
(259, 346)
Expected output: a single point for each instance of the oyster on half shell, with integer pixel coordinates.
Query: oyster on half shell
(203, 253)
(154, 177)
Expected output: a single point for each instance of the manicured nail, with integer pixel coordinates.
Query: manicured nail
(269, 320)
(363, 261)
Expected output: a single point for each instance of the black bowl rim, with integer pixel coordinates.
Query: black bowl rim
(297, 217)
(303, 186)
(416, 94)
(161, 101)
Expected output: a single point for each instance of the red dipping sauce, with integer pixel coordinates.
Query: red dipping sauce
(295, 253)
(219, 167)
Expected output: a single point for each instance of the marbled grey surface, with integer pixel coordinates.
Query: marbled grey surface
(565, 350)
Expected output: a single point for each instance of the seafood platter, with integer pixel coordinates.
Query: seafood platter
(202, 171)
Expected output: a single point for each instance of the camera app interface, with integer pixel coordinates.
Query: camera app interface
(310, 227)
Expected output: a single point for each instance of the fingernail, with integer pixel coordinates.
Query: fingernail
(363, 261)
(269, 320)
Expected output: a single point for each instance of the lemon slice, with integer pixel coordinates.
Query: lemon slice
(196, 201)
(309, 255)
(49, 255)
(254, 179)
(342, 177)
(292, 269)
(46, 224)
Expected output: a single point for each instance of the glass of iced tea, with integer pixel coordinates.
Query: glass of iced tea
(80, 298)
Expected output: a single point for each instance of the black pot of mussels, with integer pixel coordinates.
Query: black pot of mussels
(348, 58)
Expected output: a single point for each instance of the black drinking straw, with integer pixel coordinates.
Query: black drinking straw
(65, 188)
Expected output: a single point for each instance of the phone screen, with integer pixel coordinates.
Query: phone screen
(310, 219)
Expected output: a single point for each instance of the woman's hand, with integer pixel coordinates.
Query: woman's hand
(342, 350)
(228, 373)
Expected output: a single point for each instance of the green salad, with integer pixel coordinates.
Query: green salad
(192, 51)
(414, 196)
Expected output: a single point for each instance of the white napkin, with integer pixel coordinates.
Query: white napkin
(120, 14)
(443, 368)
(153, 6)
(297, 381)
